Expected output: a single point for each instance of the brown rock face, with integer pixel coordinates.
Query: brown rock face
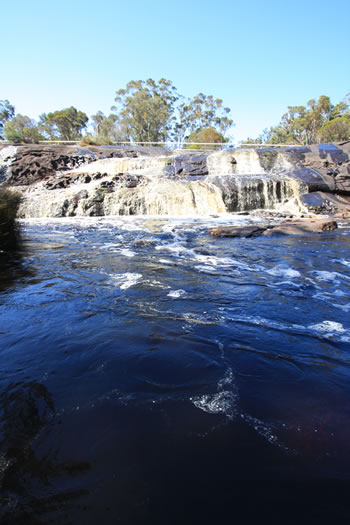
(324, 167)
(40, 162)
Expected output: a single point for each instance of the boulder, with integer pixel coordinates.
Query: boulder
(238, 231)
(314, 179)
(190, 164)
(289, 227)
(302, 227)
(321, 202)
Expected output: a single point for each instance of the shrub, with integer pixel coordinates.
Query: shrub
(335, 130)
(22, 129)
(9, 202)
(89, 140)
(206, 135)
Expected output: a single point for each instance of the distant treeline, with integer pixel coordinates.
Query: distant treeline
(150, 111)
(318, 121)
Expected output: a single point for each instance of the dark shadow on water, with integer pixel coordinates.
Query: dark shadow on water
(26, 481)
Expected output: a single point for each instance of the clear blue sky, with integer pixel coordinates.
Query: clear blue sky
(258, 56)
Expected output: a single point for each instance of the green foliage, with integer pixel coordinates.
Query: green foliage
(202, 112)
(66, 124)
(335, 130)
(108, 129)
(145, 109)
(7, 112)
(206, 135)
(9, 202)
(22, 129)
(150, 111)
(90, 140)
(303, 124)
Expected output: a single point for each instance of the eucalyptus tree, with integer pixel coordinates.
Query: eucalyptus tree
(7, 112)
(307, 124)
(22, 129)
(108, 128)
(145, 109)
(202, 112)
(65, 124)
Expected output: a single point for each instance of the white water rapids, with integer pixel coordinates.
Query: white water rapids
(236, 181)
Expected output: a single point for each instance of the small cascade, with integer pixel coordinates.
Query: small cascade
(253, 192)
(166, 197)
(241, 162)
(138, 166)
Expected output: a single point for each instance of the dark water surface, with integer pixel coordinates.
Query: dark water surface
(153, 374)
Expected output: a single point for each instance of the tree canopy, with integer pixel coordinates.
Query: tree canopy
(145, 109)
(66, 124)
(154, 111)
(202, 112)
(22, 129)
(7, 112)
(205, 135)
(309, 124)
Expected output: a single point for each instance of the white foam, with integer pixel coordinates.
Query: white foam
(324, 275)
(177, 293)
(219, 403)
(344, 262)
(282, 271)
(205, 269)
(126, 280)
(328, 327)
(127, 252)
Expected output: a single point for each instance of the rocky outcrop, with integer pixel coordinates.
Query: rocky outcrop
(327, 203)
(289, 227)
(140, 180)
(329, 165)
(27, 164)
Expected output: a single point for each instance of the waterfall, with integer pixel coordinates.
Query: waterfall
(239, 180)
(239, 161)
(138, 166)
(252, 192)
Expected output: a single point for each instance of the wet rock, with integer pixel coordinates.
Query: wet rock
(190, 165)
(314, 179)
(107, 185)
(94, 207)
(30, 163)
(289, 227)
(342, 182)
(302, 227)
(83, 194)
(321, 202)
(144, 243)
(238, 231)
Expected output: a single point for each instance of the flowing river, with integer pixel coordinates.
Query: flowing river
(153, 374)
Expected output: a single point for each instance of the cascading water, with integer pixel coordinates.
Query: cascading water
(237, 181)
